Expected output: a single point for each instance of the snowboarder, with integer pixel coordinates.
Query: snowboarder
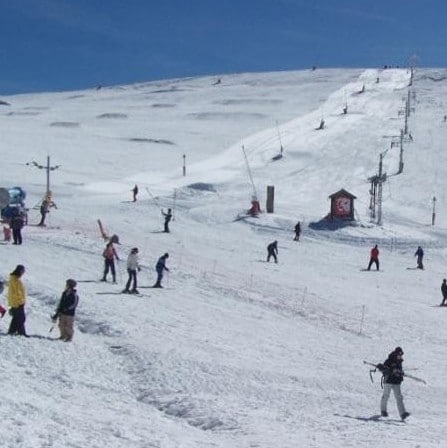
(66, 310)
(47, 203)
(135, 193)
(444, 292)
(374, 258)
(297, 231)
(272, 251)
(16, 301)
(168, 217)
(17, 223)
(109, 255)
(393, 375)
(420, 254)
(160, 267)
(133, 266)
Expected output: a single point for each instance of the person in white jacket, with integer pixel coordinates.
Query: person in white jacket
(132, 267)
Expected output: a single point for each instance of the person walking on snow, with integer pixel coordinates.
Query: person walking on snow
(393, 375)
(374, 258)
(272, 251)
(66, 309)
(160, 267)
(297, 231)
(16, 301)
(168, 217)
(444, 292)
(420, 254)
(109, 255)
(133, 266)
(17, 223)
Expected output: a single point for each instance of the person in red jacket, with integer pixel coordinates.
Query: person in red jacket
(374, 258)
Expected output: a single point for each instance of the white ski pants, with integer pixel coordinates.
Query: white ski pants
(387, 388)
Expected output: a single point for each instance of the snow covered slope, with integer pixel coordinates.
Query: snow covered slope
(234, 352)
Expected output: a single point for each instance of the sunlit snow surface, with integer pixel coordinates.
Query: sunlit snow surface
(234, 352)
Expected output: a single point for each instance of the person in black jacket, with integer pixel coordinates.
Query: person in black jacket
(444, 292)
(297, 231)
(168, 217)
(420, 254)
(393, 375)
(160, 267)
(272, 251)
(17, 223)
(66, 310)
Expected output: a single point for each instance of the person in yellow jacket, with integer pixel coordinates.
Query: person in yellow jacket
(16, 301)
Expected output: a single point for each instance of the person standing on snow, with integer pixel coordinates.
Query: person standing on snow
(109, 255)
(393, 375)
(66, 310)
(374, 258)
(16, 301)
(297, 231)
(47, 203)
(17, 223)
(272, 251)
(133, 266)
(160, 267)
(444, 292)
(168, 217)
(420, 254)
(135, 193)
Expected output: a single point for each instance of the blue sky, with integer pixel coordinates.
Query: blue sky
(73, 44)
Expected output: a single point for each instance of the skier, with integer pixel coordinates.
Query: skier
(297, 231)
(374, 258)
(66, 310)
(47, 203)
(393, 377)
(444, 292)
(420, 254)
(109, 255)
(132, 267)
(17, 223)
(16, 301)
(135, 193)
(168, 217)
(272, 251)
(160, 267)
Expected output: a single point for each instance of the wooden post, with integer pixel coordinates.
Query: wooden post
(270, 198)
(433, 215)
(184, 164)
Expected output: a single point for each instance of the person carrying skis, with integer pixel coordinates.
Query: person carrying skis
(444, 292)
(133, 266)
(297, 231)
(135, 193)
(168, 217)
(160, 267)
(109, 255)
(420, 254)
(374, 258)
(47, 203)
(393, 375)
(272, 251)
(66, 309)
(16, 301)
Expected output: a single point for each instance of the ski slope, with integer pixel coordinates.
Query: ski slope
(234, 351)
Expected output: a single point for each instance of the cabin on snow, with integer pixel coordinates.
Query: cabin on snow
(342, 205)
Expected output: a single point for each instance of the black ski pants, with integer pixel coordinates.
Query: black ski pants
(17, 325)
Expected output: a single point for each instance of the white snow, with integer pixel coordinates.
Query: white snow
(234, 352)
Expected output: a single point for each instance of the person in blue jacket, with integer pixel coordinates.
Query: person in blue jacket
(160, 267)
